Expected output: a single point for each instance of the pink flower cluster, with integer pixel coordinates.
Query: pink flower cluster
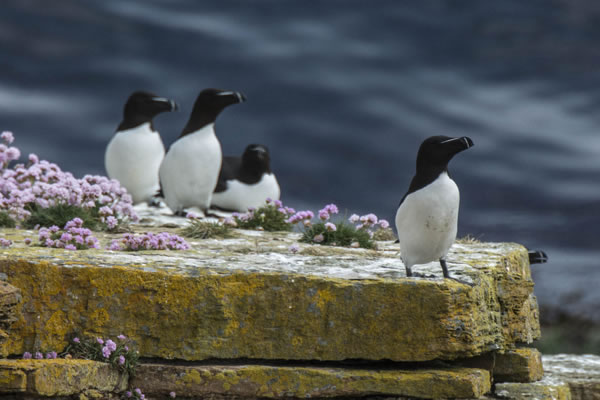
(5, 242)
(73, 237)
(43, 184)
(149, 241)
(301, 216)
(39, 356)
(136, 394)
(327, 211)
(368, 222)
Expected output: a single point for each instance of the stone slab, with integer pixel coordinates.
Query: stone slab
(546, 389)
(519, 365)
(59, 377)
(580, 372)
(249, 297)
(279, 382)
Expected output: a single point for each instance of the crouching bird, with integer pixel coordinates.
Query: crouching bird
(246, 181)
(427, 216)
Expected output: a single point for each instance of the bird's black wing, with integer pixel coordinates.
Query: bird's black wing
(229, 170)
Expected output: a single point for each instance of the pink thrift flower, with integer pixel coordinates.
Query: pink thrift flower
(318, 238)
(27, 355)
(112, 346)
(121, 360)
(324, 215)
(172, 395)
(76, 340)
(121, 337)
(7, 137)
(106, 352)
(100, 341)
(354, 218)
(294, 248)
(330, 227)
(384, 224)
(70, 247)
(27, 241)
(38, 355)
(191, 215)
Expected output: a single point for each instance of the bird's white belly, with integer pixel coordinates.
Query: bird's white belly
(190, 170)
(240, 196)
(427, 222)
(133, 157)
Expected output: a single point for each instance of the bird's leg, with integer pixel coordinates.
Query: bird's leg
(208, 214)
(154, 202)
(444, 268)
(181, 213)
(447, 275)
(408, 271)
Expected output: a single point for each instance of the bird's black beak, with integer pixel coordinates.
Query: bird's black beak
(237, 97)
(456, 145)
(166, 104)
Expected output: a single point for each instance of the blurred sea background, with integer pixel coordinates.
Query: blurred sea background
(343, 93)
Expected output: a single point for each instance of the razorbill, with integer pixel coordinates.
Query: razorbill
(246, 181)
(427, 216)
(135, 151)
(189, 171)
(537, 257)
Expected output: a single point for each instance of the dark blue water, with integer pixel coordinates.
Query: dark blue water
(343, 92)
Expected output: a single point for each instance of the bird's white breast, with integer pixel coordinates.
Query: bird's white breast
(133, 157)
(427, 221)
(240, 196)
(190, 170)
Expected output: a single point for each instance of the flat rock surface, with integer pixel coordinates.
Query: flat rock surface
(250, 297)
(580, 372)
(277, 382)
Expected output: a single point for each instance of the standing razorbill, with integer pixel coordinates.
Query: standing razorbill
(135, 152)
(189, 171)
(427, 217)
(246, 181)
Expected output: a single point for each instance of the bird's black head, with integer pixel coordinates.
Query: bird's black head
(256, 157)
(208, 105)
(141, 107)
(437, 151)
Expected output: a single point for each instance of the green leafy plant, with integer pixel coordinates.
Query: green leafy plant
(271, 217)
(205, 230)
(342, 235)
(6, 221)
(118, 353)
(60, 214)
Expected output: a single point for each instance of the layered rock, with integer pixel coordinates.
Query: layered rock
(249, 297)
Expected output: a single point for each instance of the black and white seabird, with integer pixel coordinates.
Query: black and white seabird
(427, 217)
(136, 150)
(246, 181)
(537, 257)
(190, 169)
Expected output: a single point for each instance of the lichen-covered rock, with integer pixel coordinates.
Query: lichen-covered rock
(249, 297)
(10, 297)
(546, 389)
(276, 382)
(59, 377)
(519, 365)
(580, 372)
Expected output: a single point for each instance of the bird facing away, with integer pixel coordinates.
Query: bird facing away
(189, 171)
(427, 216)
(246, 181)
(136, 150)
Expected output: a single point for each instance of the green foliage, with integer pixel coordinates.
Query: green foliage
(60, 214)
(91, 349)
(6, 221)
(268, 217)
(205, 230)
(344, 235)
(384, 234)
